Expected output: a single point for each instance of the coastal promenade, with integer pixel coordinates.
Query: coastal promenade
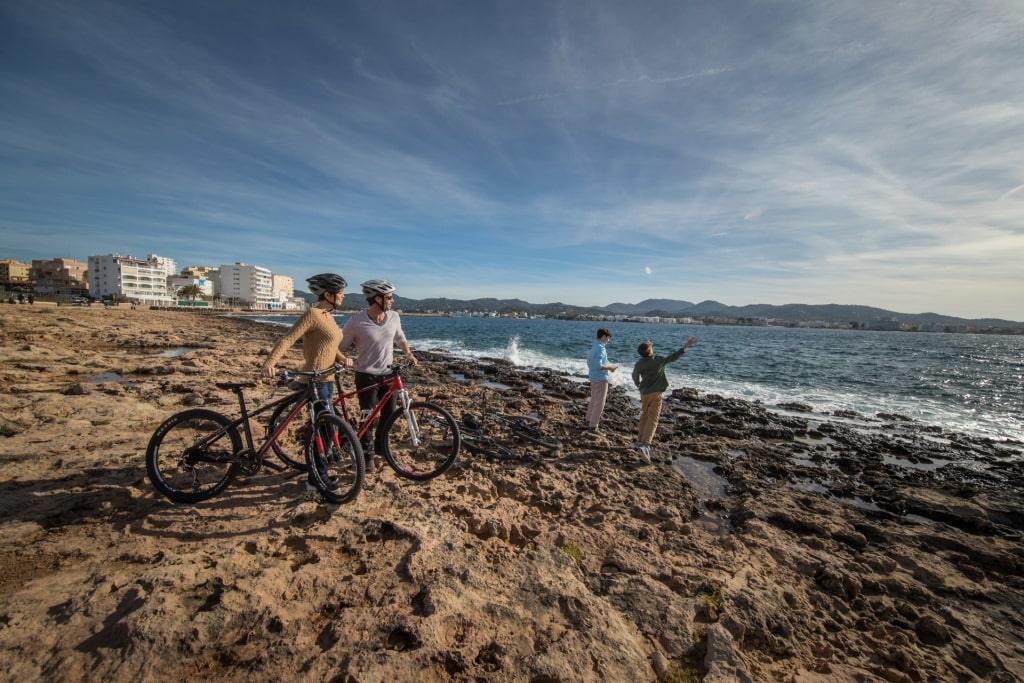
(762, 545)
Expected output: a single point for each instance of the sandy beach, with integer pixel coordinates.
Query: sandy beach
(821, 559)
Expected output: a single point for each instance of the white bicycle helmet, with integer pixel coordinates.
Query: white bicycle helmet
(326, 282)
(372, 288)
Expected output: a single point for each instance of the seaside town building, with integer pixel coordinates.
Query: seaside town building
(241, 284)
(200, 276)
(283, 290)
(13, 272)
(125, 277)
(61, 277)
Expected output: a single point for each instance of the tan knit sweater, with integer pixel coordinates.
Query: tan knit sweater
(320, 336)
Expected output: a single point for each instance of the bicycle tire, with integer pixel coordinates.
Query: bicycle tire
(510, 419)
(184, 468)
(290, 446)
(336, 469)
(527, 428)
(439, 442)
(481, 445)
(533, 435)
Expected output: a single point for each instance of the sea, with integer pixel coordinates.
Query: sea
(967, 383)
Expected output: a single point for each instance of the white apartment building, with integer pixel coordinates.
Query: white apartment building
(141, 280)
(249, 286)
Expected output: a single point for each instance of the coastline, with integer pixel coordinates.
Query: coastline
(958, 385)
(828, 561)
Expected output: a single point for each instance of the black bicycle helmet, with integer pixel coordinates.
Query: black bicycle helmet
(326, 282)
(470, 420)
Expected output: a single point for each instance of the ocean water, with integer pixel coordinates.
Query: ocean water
(967, 383)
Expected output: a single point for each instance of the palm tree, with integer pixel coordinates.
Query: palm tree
(192, 292)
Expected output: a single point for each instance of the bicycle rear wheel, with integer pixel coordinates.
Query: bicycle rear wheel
(187, 460)
(433, 450)
(334, 459)
(290, 446)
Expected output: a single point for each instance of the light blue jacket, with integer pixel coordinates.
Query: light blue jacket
(597, 358)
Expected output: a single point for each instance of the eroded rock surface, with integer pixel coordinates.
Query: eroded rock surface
(842, 548)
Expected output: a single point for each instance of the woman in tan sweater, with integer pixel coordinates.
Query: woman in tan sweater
(320, 334)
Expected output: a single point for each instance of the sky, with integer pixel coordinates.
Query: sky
(866, 152)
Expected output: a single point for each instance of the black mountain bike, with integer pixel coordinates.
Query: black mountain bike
(196, 453)
(491, 433)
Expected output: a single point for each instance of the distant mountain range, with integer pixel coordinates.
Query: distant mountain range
(800, 312)
(672, 308)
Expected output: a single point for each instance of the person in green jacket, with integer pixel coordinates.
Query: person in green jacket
(649, 377)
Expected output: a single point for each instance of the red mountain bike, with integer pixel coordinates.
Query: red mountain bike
(420, 440)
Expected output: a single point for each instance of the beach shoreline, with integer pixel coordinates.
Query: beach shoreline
(842, 555)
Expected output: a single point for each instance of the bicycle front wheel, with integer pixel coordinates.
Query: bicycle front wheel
(423, 445)
(334, 459)
(191, 456)
(290, 446)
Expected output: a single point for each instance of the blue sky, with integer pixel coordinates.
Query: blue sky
(857, 152)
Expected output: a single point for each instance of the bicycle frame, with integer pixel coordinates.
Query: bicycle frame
(250, 458)
(395, 387)
(301, 398)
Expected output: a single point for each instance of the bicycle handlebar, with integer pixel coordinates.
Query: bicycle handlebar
(333, 370)
(287, 375)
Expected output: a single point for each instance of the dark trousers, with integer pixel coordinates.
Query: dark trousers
(368, 401)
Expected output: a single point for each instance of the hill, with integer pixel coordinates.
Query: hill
(673, 308)
(831, 313)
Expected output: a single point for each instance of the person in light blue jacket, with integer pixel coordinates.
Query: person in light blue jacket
(599, 370)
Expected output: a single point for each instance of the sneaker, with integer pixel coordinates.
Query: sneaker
(594, 431)
(645, 452)
(332, 484)
(370, 467)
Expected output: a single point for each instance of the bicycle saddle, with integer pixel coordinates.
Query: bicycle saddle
(235, 386)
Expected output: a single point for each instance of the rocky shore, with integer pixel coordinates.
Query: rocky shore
(766, 543)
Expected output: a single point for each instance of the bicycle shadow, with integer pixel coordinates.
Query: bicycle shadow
(248, 506)
(122, 498)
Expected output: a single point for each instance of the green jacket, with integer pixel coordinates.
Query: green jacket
(649, 373)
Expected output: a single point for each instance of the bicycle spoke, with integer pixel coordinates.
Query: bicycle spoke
(191, 456)
(422, 444)
(290, 445)
(334, 459)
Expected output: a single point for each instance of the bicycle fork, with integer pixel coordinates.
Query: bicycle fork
(314, 409)
(410, 418)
